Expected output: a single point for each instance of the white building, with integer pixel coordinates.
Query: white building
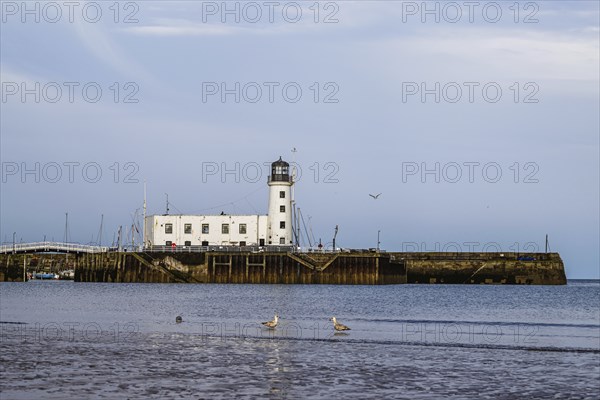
(275, 228)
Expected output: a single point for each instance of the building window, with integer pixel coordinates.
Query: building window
(281, 224)
(187, 228)
(205, 229)
(242, 244)
(282, 240)
(261, 242)
(168, 228)
(282, 194)
(205, 243)
(225, 229)
(168, 243)
(243, 229)
(281, 208)
(188, 243)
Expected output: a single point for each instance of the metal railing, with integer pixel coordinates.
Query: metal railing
(58, 247)
(217, 248)
(254, 249)
(51, 247)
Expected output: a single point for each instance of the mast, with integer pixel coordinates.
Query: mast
(295, 224)
(144, 222)
(334, 236)
(100, 232)
(306, 230)
(119, 238)
(66, 227)
(66, 236)
(298, 224)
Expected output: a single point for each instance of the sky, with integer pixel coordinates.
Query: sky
(478, 122)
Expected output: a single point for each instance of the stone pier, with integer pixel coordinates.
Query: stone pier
(353, 267)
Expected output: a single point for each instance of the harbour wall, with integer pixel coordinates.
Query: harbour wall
(486, 268)
(351, 268)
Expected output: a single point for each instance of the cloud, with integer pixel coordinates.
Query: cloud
(99, 43)
(185, 28)
(8, 74)
(479, 53)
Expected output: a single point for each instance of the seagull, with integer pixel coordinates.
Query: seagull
(272, 324)
(375, 196)
(178, 319)
(294, 150)
(337, 326)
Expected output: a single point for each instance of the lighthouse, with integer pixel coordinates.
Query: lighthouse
(279, 219)
(191, 231)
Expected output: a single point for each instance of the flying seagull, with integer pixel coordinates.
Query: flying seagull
(337, 326)
(375, 196)
(273, 323)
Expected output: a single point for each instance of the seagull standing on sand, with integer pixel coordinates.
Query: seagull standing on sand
(375, 196)
(273, 323)
(178, 319)
(337, 326)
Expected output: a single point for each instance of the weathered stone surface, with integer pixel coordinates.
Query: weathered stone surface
(369, 268)
(490, 268)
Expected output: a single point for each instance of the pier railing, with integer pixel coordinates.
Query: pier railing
(51, 247)
(226, 249)
(245, 249)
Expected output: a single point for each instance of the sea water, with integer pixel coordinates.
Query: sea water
(65, 339)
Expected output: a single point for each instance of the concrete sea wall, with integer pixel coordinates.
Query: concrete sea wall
(487, 268)
(356, 267)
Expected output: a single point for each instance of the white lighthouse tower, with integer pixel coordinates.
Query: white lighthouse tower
(279, 219)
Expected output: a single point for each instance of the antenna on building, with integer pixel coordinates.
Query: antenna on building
(167, 194)
(547, 243)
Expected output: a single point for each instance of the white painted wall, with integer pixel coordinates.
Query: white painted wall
(275, 216)
(256, 229)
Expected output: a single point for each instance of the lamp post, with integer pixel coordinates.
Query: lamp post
(14, 239)
(378, 242)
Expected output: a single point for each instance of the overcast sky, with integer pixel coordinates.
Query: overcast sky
(386, 92)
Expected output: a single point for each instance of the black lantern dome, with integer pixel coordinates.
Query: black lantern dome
(280, 171)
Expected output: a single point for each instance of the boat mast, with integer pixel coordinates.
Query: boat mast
(293, 198)
(298, 224)
(334, 236)
(66, 227)
(100, 232)
(119, 237)
(144, 222)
